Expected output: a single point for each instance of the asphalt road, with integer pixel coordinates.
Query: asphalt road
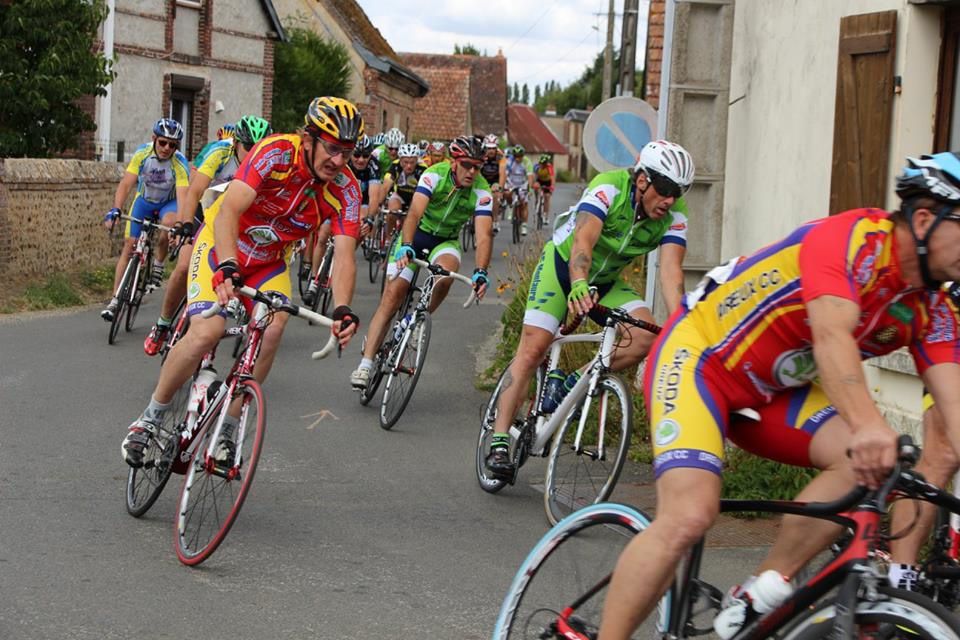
(349, 531)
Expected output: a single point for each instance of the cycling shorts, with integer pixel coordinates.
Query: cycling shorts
(435, 246)
(690, 397)
(273, 277)
(140, 209)
(550, 285)
(546, 187)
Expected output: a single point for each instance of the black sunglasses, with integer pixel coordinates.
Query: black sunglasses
(362, 154)
(663, 185)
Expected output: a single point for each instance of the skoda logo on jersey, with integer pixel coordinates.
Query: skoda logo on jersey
(795, 368)
(666, 432)
(263, 235)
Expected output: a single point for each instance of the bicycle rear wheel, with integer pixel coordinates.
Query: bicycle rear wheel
(375, 256)
(145, 484)
(584, 475)
(212, 496)
(489, 418)
(123, 297)
(899, 614)
(405, 365)
(570, 560)
(303, 272)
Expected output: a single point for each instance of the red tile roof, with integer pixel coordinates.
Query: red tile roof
(525, 127)
(444, 113)
(488, 86)
(355, 21)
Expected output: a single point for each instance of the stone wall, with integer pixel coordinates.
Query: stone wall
(50, 213)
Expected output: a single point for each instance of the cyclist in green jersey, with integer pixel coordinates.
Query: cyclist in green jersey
(622, 215)
(446, 196)
(387, 152)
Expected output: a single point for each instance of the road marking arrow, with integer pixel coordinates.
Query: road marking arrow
(320, 415)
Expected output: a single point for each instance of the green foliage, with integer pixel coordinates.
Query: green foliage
(750, 477)
(55, 292)
(306, 67)
(563, 175)
(47, 63)
(467, 49)
(584, 92)
(525, 94)
(97, 280)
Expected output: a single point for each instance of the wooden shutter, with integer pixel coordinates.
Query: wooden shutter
(864, 110)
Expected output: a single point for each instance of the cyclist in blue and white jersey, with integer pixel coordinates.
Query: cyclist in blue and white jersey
(516, 172)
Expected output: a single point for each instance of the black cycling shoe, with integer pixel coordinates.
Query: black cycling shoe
(499, 465)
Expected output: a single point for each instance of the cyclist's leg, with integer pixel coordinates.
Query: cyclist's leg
(938, 463)
(393, 296)
(320, 245)
(546, 306)
(801, 428)
(167, 214)
(547, 192)
(138, 210)
(447, 255)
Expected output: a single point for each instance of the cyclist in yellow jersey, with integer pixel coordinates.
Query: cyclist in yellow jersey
(161, 176)
(436, 152)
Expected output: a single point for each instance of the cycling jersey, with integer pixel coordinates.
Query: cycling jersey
(490, 170)
(381, 156)
(611, 197)
(198, 160)
(158, 179)
(449, 206)
(404, 184)
(544, 173)
(517, 171)
(742, 339)
(366, 176)
(289, 203)
(219, 163)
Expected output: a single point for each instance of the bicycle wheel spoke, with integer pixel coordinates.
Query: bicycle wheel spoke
(407, 363)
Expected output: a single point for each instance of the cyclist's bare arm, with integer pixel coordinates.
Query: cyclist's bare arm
(833, 321)
(671, 274)
(585, 236)
(943, 380)
(226, 227)
(127, 183)
(187, 207)
(344, 273)
(503, 173)
(484, 228)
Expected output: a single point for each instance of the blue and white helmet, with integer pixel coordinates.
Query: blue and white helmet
(936, 176)
(168, 128)
(377, 140)
(393, 138)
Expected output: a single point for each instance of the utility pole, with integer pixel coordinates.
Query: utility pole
(607, 90)
(628, 46)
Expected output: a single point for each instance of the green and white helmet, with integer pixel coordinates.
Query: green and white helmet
(251, 130)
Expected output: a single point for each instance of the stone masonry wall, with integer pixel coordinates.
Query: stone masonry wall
(50, 213)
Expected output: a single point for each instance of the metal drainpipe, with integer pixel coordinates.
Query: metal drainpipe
(103, 114)
(670, 9)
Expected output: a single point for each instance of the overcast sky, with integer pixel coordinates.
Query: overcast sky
(543, 41)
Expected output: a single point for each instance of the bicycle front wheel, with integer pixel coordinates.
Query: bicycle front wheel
(573, 558)
(897, 614)
(123, 298)
(145, 484)
(374, 259)
(212, 495)
(584, 472)
(405, 365)
(516, 226)
(138, 290)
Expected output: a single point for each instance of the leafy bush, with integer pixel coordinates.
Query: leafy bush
(750, 477)
(563, 175)
(55, 292)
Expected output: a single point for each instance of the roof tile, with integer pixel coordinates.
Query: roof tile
(525, 127)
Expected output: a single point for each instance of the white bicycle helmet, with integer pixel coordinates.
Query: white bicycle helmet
(393, 138)
(490, 141)
(408, 151)
(669, 160)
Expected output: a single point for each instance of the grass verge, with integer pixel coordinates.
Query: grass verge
(58, 290)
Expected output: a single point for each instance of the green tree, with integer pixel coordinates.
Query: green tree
(516, 93)
(583, 92)
(525, 94)
(466, 50)
(46, 64)
(536, 94)
(305, 67)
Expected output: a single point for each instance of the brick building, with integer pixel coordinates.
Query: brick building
(203, 62)
(468, 95)
(381, 85)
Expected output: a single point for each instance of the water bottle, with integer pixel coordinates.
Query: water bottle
(402, 326)
(198, 391)
(764, 594)
(569, 383)
(553, 391)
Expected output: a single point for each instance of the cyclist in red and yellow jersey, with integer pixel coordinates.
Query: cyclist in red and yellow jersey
(283, 190)
(784, 331)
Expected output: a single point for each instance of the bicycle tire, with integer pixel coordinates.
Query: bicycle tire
(373, 260)
(139, 290)
(464, 238)
(570, 559)
(303, 275)
(196, 537)
(376, 375)
(516, 227)
(404, 372)
(488, 419)
(900, 614)
(146, 483)
(383, 275)
(122, 297)
(574, 479)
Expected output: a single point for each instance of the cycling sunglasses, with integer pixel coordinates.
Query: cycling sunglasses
(663, 185)
(334, 150)
(362, 154)
(163, 143)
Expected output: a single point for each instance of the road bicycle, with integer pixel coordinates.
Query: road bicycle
(585, 438)
(213, 490)
(235, 311)
(135, 282)
(403, 352)
(539, 213)
(510, 206)
(376, 245)
(468, 235)
(558, 591)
